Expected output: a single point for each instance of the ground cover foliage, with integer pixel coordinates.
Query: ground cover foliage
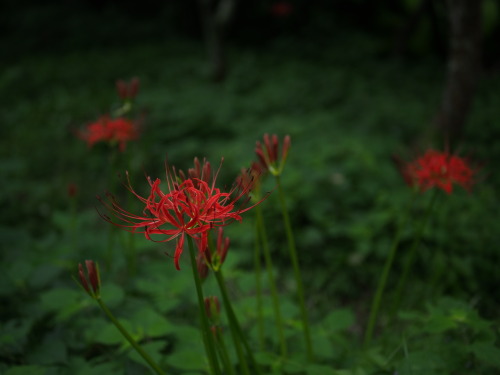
(346, 112)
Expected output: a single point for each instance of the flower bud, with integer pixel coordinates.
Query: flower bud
(92, 278)
(267, 153)
(201, 265)
(212, 308)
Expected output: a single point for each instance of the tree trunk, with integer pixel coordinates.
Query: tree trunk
(464, 63)
(215, 15)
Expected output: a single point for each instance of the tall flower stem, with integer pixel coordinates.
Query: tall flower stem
(411, 256)
(235, 327)
(381, 284)
(112, 166)
(131, 249)
(221, 345)
(385, 273)
(129, 338)
(296, 269)
(258, 287)
(207, 335)
(272, 284)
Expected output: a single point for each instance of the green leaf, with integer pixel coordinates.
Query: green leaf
(293, 367)
(422, 362)
(107, 333)
(320, 370)
(188, 360)
(79, 366)
(26, 370)
(112, 295)
(487, 353)
(51, 351)
(152, 348)
(64, 301)
(338, 320)
(151, 323)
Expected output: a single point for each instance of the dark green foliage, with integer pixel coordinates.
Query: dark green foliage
(347, 112)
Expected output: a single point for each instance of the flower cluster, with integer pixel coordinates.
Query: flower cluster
(438, 169)
(189, 206)
(113, 130)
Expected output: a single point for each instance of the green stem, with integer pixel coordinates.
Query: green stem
(234, 325)
(258, 287)
(207, 335)
(381, 286)
(129, 338)
(296, 269)
(219, 337)
(383, 277)
(272, 283)
(110, 181)
(411, 256)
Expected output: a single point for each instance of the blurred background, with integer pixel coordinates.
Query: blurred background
(352, 82)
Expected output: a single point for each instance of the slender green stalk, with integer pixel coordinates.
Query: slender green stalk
(234, 324)
(112, 164)
(258, 288)
(296, 269)
(129, 338)
(207, 335)
(219, 337)
(385, 273)
(381, 285)
(411, 256)
(272, 284)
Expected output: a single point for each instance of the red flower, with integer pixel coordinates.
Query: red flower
(439, 169)
(127, 90)
(249, 178)
(72, 190)
(191, 207)
(118, 130)
(281, 9)
(268, 154)
(199, 172)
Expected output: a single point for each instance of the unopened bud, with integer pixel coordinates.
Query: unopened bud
(212, 308)
(92, 278)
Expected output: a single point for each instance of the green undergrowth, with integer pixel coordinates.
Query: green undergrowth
(347, 111)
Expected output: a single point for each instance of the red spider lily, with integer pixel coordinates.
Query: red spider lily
(199, 172)
(93, 278)
(118, 130)
(72, 190)
(249, 178)
(127, 90)
(268, 153)
(215, 259)
(221, 249)
(281, 9)
(439, 169)
(190, 208)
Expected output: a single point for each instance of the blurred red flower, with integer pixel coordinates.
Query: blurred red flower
(281, 9)
(191, 207)
(438, 169)
(127, 90)
(118, 130)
